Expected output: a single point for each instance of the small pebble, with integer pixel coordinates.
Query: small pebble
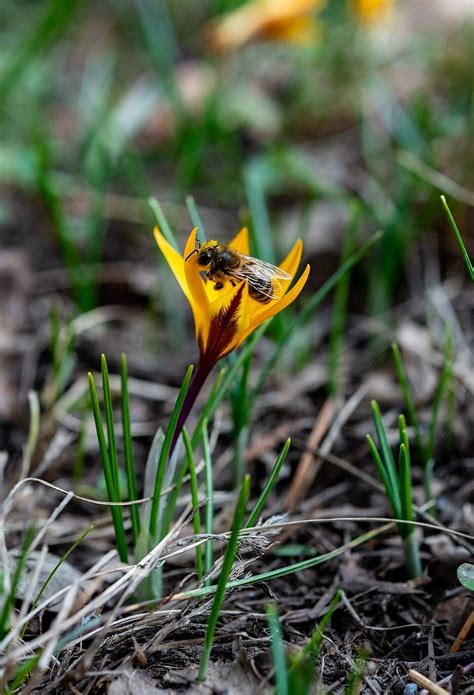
(410, 689)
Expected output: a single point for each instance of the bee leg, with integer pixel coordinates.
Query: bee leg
(218, 286)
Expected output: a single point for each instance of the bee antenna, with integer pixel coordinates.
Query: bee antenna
(198, 246)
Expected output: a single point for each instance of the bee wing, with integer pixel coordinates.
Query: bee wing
(259, 274)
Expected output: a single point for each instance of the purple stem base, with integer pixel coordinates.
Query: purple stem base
(197, 381)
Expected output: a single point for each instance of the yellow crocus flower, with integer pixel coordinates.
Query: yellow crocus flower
(287, 20)
(370, 11)
(224, 318)
(293, 21)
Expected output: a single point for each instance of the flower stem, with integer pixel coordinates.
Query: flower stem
(412, 555)
(240, 444)
(199, 377)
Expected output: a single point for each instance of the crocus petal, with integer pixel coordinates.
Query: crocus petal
(240, 242)
(195, 284)
(236, 28)
(276, 307)
(227, 320)
(292, 261)
(266, 18)
(371, 11)
(175, 262)
(290, 264)
(213, 294)
(191, 270)
(304, 31)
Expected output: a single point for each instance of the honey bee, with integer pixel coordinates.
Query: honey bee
(224, 264)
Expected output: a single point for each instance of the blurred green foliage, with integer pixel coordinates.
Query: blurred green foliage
(105, 105)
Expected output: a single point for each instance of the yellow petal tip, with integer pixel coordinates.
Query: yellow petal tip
(157, 234)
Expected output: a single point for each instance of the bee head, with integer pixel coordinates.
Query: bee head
(204, 251)
(207, 251)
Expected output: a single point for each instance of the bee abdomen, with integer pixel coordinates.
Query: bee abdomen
(262, 294)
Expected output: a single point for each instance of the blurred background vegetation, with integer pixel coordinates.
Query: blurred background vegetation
(294, 120)
(326, 120)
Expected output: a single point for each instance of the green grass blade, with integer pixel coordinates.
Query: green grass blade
(354, 682)
(228, 562)
(130, 469)
(269, 485)
(406, 493)
(54, 205)
(22, 672)
(412, 555)
(44, 33)
(404, 472)
(62, 559)
(162, 222)
(388, 460)
(109, 419)
(195, 217)
(402, 431)
(303, 663)
(314, 645)
(278, 650)
(33, 433)
(195, 499)
(62, 359)
(288, 569)
(256, 184)
(165, 452)
(404, 476)
(116, 512)
(407, 531)
(173, 498)
(459, 239)
(307, 310)
(209, 507)
(435, 179)
(410, 406)
(260, 229)
(149, 476)
(379, 464)
(240, 412)
(160, 43)
(240, 442)
(78, 632)
(8, 598)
